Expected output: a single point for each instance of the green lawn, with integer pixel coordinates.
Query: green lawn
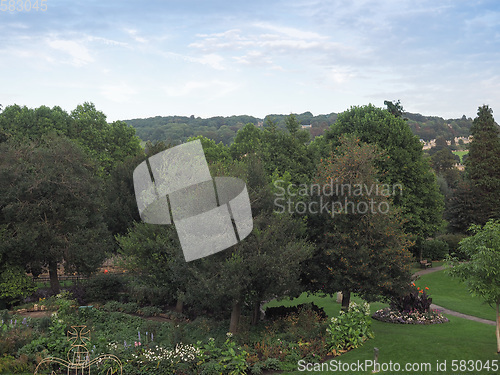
(461, 154)
(452, 294)
(459, 339)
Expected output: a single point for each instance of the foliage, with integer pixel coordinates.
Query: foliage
(50, 200)
(420, 201)
(351, 329)
(453, 240)
(358, 250)
(416, 299)
(103, 287)
(162, 361)
(482, 167)
(153, 253)
(481, 273)
(283, 311)
(106, 143)
(132, 308)
(229, 358)
(434, 249)
(15, 284)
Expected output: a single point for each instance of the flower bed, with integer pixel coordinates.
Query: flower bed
(409, 317)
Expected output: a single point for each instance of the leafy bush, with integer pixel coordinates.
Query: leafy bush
(453, 241)
(351, 328)
(415, 300)
(283, 311)
(434, 250)
(103, 287)
(227, 359)
(150, 311)
(15, 284)
(144, 294)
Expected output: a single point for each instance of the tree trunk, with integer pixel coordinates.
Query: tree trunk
(498, 327)
(346, 298)
(256, 312)
(179, 306)
(235, 317)
(54, 281)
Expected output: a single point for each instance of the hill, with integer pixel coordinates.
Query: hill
(177, 129)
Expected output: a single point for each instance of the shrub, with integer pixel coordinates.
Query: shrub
(415, 300)
(453, 241)
(103, 287)
(282, 311)
(351, 328)
(150, 311)
(15, 285)
(434, 249)
(227, 359)
(143, 294)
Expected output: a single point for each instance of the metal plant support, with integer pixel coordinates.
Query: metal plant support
(79, 362)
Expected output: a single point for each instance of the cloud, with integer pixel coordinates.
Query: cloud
(79, 54)
(213, 60)
(118, 93)
(133, 33)
(281, 39)
(214, 88)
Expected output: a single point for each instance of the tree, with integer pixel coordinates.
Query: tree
(363, 248)
(481, 273)
(14, 284)
(264, 265)
(108, 144)
(291, 124)
(153, 253)
(278, 150)
(482, 167)
(396, 109)
(51, 202)
(420, 202)
(461, 207)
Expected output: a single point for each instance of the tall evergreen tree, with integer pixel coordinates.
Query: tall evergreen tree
(483, 166)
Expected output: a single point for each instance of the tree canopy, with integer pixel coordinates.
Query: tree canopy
(420, 201)
(51, 204)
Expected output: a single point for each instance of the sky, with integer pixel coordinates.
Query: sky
(137, 59)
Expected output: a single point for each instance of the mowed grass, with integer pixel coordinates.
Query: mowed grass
(452, 293)
(460, 339)
(461, 154)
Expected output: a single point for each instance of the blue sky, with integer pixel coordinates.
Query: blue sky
(206, 58)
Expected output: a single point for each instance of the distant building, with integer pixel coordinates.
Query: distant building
(306, 126)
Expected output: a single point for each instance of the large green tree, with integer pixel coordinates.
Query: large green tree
(420, 202)
(481, 273)
(482, 167)
(107, 143)
(279, 151)
(51, 203)
(362, 247)
(264, 265)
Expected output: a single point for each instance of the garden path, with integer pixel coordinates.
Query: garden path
(451, 312)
